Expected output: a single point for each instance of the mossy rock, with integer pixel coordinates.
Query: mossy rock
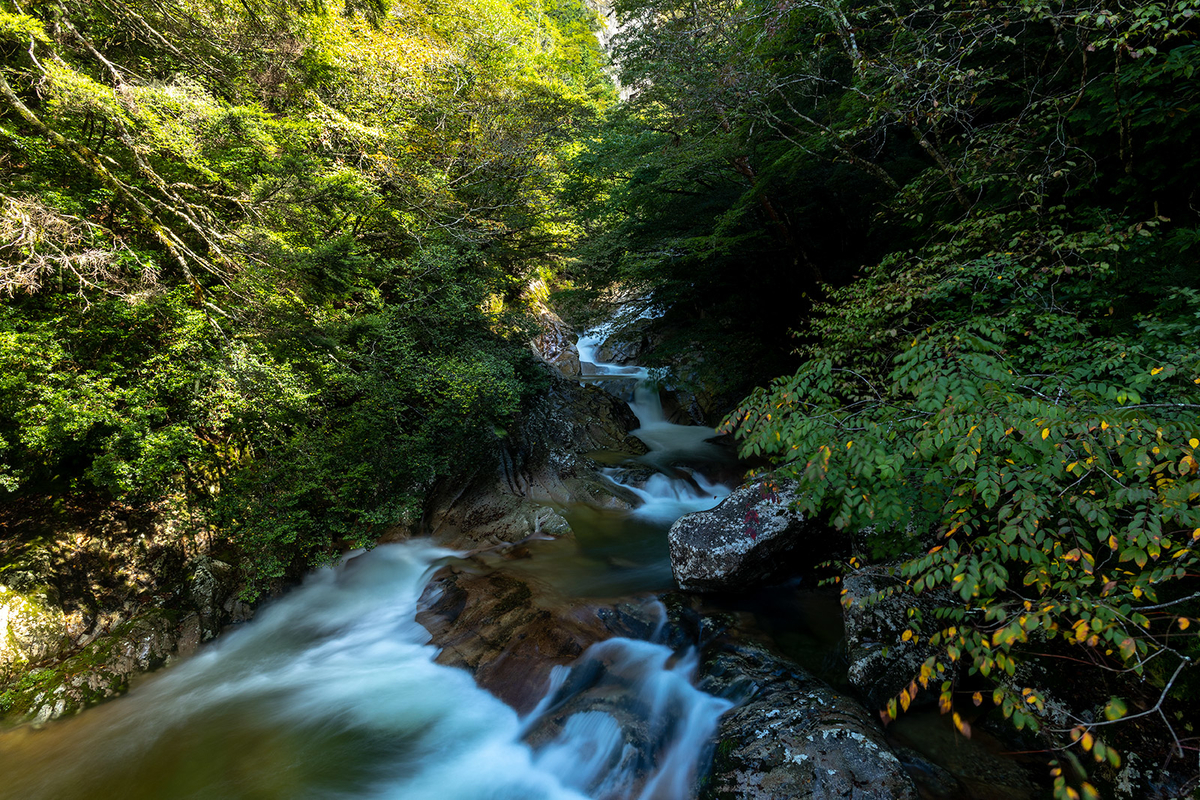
(99, 671)
(32, 628)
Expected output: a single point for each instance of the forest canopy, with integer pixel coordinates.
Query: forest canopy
(265, 260)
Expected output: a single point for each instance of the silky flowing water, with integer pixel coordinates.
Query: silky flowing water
(332, 691)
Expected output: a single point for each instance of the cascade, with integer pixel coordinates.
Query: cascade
(333, 691)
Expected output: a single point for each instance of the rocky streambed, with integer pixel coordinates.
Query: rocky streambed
(526, 638)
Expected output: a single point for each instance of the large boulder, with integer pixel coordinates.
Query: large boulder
(746, 540)
(555, 343)
(510, 630)
(214, 588)
(793, 736)
(546, 462)
(100, 670)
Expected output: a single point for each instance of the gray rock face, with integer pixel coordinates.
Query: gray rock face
(544, 464)
(881, 663)
(795, 737)
(555, 345)
(740, 543)
(213, 586)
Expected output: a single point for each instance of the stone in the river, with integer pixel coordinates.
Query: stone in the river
(881, 663)
(744, 541)
(510, 629)
(793, 736)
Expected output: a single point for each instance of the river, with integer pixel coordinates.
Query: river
(332, 691)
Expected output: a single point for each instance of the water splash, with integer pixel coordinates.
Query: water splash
(635, 725)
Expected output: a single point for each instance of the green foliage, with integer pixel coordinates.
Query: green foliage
(980, 222)
(1033, 448)
(247, 248)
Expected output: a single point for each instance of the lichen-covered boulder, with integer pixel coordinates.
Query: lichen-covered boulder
(100, 670)
(743, 542)
(32, 628)
(792, 736)
(881, 662)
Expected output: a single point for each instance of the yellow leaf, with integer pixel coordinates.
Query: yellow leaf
(904, 637)
(1103, 425)
(1045, 432)
(1184, 622)
(1088, 741)
(1156, 370)
(1194, 442)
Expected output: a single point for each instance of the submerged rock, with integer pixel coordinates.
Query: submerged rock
(793, 736)
(741, 543)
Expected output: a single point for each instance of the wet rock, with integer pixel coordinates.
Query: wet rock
(792, 736)
(630, 334)
(624, 713)
(510, 630)
(32, 627)
(683, 407)
(743, 542)
(933, 781)
(881, 663)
